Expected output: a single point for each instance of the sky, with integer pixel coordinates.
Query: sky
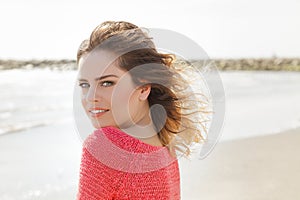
(54, 29)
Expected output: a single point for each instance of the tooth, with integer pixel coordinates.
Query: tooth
(98, 111)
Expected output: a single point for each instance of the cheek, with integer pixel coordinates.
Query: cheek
(82, 94)
(125, 97)
(124, 103)
(83, 98)
(134, 105)
(84, 104)
(122, 94)
(120, 102)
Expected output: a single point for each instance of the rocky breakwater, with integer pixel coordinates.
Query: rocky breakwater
(31, 64)
(275, 64)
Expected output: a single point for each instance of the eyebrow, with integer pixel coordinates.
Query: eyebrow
(100, 78)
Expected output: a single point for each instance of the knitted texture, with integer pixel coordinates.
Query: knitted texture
(115, 165)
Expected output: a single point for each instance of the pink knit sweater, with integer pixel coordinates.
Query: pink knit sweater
(115, 165)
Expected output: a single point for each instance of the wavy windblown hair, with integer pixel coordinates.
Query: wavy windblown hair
(184, 123)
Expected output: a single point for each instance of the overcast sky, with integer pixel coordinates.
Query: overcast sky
(223, 28)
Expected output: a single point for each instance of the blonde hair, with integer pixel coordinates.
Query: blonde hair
(169, 88)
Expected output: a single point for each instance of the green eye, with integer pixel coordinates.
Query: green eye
(84, 85)
(107, 83)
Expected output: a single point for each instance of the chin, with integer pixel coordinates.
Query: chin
(98, 125)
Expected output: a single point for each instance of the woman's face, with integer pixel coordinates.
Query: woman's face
(108, 94)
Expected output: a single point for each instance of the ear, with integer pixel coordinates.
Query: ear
(144, 92)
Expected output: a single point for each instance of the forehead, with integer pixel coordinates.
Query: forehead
(98, 63)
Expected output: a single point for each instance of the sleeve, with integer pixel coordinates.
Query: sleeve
(95, 179)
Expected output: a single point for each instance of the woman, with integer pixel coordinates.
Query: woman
(142, 110)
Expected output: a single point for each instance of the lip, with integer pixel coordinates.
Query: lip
(97, 114)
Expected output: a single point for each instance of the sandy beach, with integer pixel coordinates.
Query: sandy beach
(256, 158)
(259, 168)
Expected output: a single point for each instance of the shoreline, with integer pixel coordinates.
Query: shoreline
(224, 64)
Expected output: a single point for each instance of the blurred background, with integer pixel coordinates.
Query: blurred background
(254, 44)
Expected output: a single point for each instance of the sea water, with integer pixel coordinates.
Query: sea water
(256, 102)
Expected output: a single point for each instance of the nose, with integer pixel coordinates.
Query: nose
(92, 94)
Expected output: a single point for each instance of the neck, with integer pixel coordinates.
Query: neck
(145, 133)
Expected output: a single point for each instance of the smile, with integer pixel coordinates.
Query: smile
(98, 111)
